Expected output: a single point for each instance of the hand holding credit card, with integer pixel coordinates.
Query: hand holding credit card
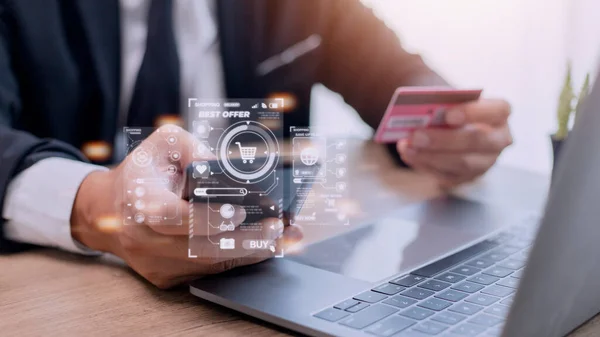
(413, 108)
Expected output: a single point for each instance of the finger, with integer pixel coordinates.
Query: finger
(226, 265)
(448, 183)
(153, 204)
(239, 243)
(486, 111)
(480, 138)
(146, 241)
(456, 166)
(141, 240)
(174, 145)
(292, 235)
(447, 180)
(408, 154)
(207, 219)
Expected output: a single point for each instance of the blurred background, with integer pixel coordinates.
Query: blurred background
(514, 49)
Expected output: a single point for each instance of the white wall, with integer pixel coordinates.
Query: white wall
(515, 49)
(584, 37)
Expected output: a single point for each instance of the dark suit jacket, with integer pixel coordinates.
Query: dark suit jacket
(60, 67)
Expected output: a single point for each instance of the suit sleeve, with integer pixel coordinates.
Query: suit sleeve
(19, 150)
(365, 62)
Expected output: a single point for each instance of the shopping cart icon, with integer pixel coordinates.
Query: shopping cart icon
(248, 153)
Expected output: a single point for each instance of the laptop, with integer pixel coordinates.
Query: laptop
(446, 267)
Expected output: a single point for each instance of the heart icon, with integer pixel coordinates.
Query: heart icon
(201, 169)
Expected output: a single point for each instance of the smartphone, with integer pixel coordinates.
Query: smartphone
(277, 192)
(413, 108)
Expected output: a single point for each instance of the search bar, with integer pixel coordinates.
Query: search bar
(220, 192)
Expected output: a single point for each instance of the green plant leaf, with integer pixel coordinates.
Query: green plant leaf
(565, 106)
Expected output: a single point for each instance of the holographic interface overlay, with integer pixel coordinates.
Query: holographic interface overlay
(236, 180)
(319, 178)
(153, 169)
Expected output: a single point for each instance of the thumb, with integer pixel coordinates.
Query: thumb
(173, 145)
(493, 112)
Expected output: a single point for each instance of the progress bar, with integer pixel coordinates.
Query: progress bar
(309, 180)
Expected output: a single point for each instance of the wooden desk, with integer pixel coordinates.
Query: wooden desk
(47, 292)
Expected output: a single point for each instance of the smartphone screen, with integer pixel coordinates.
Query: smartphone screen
(267, 198)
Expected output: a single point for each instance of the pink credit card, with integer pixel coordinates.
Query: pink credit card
(413, 108)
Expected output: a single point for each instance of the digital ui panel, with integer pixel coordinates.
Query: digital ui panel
(236, 181)
(153, 168)
(319, 178)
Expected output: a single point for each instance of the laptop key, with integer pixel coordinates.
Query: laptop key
(370, 297)
(434, 285)
(408, 280)
(518, 274)
(431, 328)
(451, 295)
(368, 316)
(454, 259)
(484, 279)
(482, 299)
(513, 264)
(451, 277)
(417, 313)
(466, 308)
(390, 326)
(357, 308)
(412, 333)
(332, 314)
(507, 301)
(346, 304)
(468, 287)
(400, 301)
(510, 282)
(389, 289)
(434, 304)
(522, 256)
(480, 263)
(499, 291)
(508, 250)
(495, 331)
(417, 293)
(485, 320)
(448, 317)
(498, 310)
(498, 271)
(467, 329)
(520, 243)
(466, 270)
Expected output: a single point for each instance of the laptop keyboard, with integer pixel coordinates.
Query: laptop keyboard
(468, 293)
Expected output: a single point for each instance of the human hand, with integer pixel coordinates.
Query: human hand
(478, 133)
(157, 249)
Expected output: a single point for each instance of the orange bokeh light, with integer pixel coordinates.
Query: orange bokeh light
(108, 224)
(289, 100)
(168, 119)
(97, 150)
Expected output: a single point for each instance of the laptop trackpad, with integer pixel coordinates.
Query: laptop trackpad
(405, 240)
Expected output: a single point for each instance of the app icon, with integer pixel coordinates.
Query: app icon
(227, 243)
(201, 169)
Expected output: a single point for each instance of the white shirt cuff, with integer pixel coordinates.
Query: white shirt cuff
(39, 200)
